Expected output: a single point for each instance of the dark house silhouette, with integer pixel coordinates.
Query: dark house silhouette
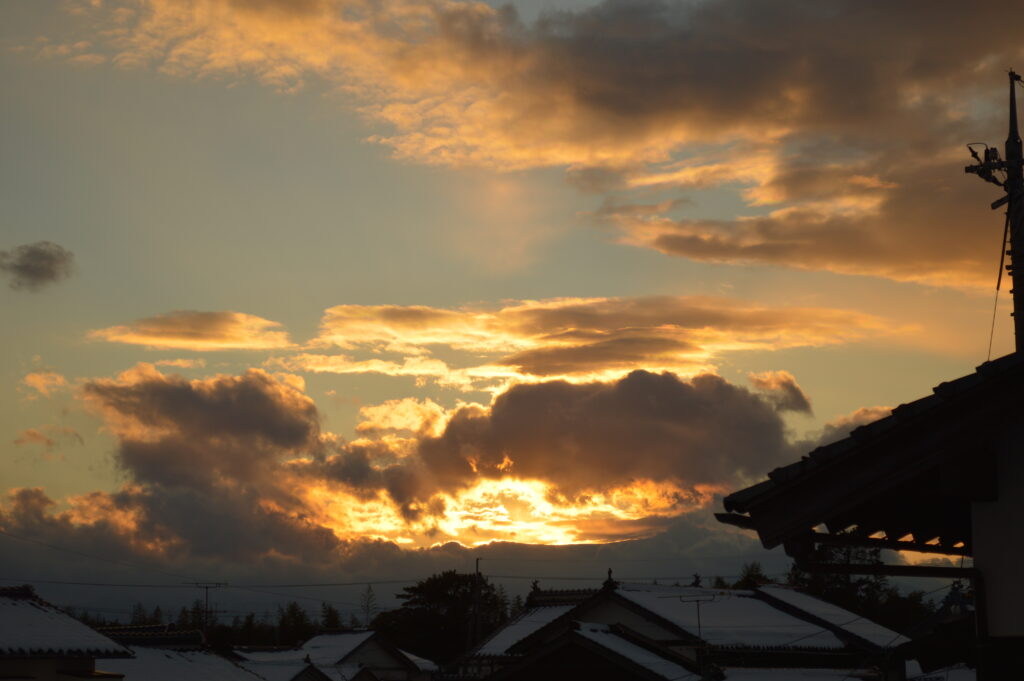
(943, 474)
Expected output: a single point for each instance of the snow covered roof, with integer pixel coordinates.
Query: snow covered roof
(287, 670)
(789, 674)
(833, 614)
(955, 673)
(521, 627)
(423, 663)
(729, 617)
(331, 649)
(31, 627)
(156, 664)
(290, 655)
(606, 638)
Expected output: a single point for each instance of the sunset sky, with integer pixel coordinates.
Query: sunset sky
(321, 286)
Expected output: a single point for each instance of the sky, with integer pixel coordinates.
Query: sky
(369, 289)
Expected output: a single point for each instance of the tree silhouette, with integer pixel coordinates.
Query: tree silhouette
(436, 616)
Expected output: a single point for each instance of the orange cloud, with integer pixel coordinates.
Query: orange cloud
(851, 139)
(574, 339)
(45, 383)
(783, 390)
(198, 331)
(237, 468)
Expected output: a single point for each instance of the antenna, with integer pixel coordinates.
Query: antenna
(1008, 174)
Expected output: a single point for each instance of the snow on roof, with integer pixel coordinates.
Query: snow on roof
(667, 669)
(833, 614)
(331, 649)
(729, 617)
(955, 673)
(521, 627)
(423, 663)
(283, 670)
(802, 674)
(158, 664)
(31, 627)
(279, 656)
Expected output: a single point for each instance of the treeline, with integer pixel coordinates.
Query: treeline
(288, 625)
(447, 613)
(434, 619)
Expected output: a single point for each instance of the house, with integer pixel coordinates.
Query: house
(166, 636)
(38, 641)
(718, 633)
(943, 474)
(346, 656)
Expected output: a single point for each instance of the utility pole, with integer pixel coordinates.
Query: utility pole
(1012, 181)
(206, 586)
(474, 622)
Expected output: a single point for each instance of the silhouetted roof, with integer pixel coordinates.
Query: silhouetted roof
(769, 618)
(31, 627)
(916, 469)
(155, 636)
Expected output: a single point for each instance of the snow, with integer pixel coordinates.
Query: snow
(33, 628)
(833, 614)
(805, 674)
(155, 664)
(957, 673)
(422, 663)
(521, 627)
(729, 617)
(330, 649)
(601, 635)
(284, 669)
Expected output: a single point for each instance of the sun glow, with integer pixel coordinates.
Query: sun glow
(509, 509)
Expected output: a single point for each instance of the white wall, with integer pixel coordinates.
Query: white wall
(998, 533)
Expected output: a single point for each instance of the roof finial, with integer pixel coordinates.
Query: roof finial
(609, 584)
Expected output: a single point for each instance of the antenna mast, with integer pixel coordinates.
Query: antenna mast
(986, 167)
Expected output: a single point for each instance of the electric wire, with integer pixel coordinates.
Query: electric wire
(999, 281)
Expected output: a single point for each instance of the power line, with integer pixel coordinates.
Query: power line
(105, 584)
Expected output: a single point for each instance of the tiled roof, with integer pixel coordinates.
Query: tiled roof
(944, 398)
(31, 627)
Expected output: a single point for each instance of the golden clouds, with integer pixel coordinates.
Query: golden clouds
(44, 383)
(848, 138)
(237, 467)
(574, 339)
(199, 331)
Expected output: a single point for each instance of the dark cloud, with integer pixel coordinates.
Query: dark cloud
(612, 354)
(599, 436)
(782, 390)
(178, 432)
(33, 266)
(236, 468)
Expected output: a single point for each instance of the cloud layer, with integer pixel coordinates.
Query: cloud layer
(238, 468)
(574, 339)
(199, 331)
(845, 144)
